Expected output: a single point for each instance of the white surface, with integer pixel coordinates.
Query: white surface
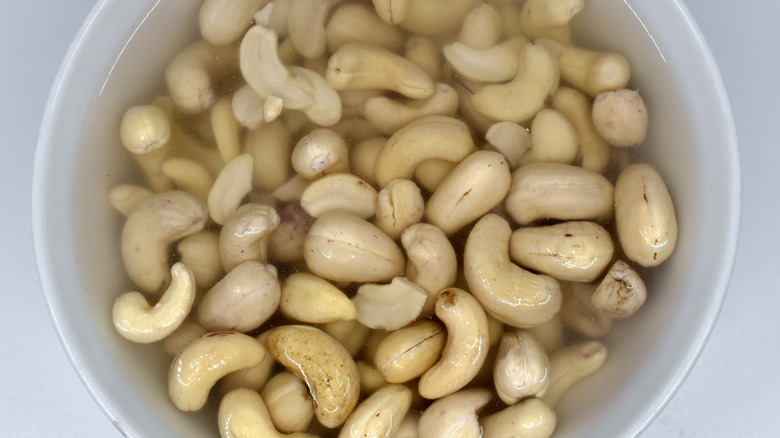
(732, 390)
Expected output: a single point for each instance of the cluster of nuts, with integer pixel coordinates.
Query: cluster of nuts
(387, 216)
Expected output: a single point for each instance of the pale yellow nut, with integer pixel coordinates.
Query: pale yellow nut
(223, 22)
(407, 353)
(408, 427)
(144, 128)
(352, 335)
(522, 367)
(621, 293)
(391, 114)
(594, 151)
(138, 321)
(207, 359)
(306, 22)
(537, 16)
(274, 16)
(191, 75)
(380, 414)
(399, 205)
(454, 415)
(232, 184)
(188, 175)
(481, 28)
(285, 245)
(291, 190)
(370, 378)
(356, 22)
(327, 108)
(389, 306)
(550, 334)
(311, 299)
(188, 331)
(319, 153)
(645, 216)
(570, 366)
(531, 418)
(579, 315)
(435, 17)
(248, 107)
(430, 173)
(242, 414)
(508, 292)
(325, 366)
(254, 378)
(553, 139)
(343, 192)
(126, 197)
(391, 11)
(227, 129)
(200, 252)
(431, 260)
(270, 145)
(466, 348)
(620, 117)
(426, 53)
(498, 63)
(466, 109)
(289, 403)
(355, 128)
(245, 234)
(511, 139)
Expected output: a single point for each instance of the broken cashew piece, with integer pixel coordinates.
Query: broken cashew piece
(454, 415)
(531, 418)
(408, 352)
(380, 414)
(571, 365)
(145, 131)
(389, 306)
(137, 321)
(522, 367)
(511, 139)
(191, 75)
(245, 234)
(621, 293)
(243, 414)
(313, 300)
(340, 192)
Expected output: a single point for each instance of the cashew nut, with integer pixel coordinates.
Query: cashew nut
(191, 75)
(425, 52)
(229, 189)
(245, 234)
(327, 108)
(291, 190)
(188, 175)
(434, 17)
(522, 367)
(644, 214)
(399, 205)
(270, 145)
(285, 245)
(391, 11)
(242, 414)
(454, 415)
(380, 414)
(539, 15)
(511, 139)
(498, 63)
(207, 359)
(571, 365)
(223, 22)
(319, 153)
(553, 139)
(356, 22)
(325, 366)
(306, 25)
(343, 247)
(481, 28)
(389, 114)
(137, 321)
(350, 334)
(389, 306)
(589, 71)
(308, 298)
(466, 348)
(620, 117)
(145, 131)
(621, 293)
(408, 427)
(188, 331)
(340, 192)
(200, 252)
(288, 402)
(126, 197)
(274, 16)
(579, 315)
(407, 353)
(594, 151)
(550, 334)
(558, 191)
(254, 378)
(149, 231)
(509, 293)
(432, 263)
(227, 129)
(531, 418)
(430, 173)
(370, 378)
(249, 108)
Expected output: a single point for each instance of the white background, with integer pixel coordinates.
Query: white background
(732, 391)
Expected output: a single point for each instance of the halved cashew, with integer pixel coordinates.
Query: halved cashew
(466, 348)
(522, 367)
(223, 22)
(319, 153)
(454, 415)
(200, 252)
(579, 315)
(426, 53)
(325, 366)
(407, 353)
(359, 66)
(389, 306)
(340, 192)
(207, 359)
(621, 293)
(187, 331)
(229, 189)
(126, 197)
(188, 175)
(558, 191)
(289, 404)
(311, 299)
(432, 263)
(571, 251)
(286, 242)
(571, 365)
(399, 205)
(531, 418)
(270, 145)
(434, 17)
(226, 128)
(539, 15)
(306, 25)
(553, 139)
(509, 293)
(243, 414)
(245, 234)
(254, 378)
(498, 63)
(432, 137)
(525, 95)
(594, 151)
(644, 215)
(243, 300)
(389, 114)
(590, 71)
(620, 117)
(380, 414)
(326, 109)
(357, 22)
(511, 139)
(149, 231)
(481, 28)
(264, 71)
(145, 131)
(352, 335)
(137, 321)
(191, 75)
(478, 184)
(344, 247)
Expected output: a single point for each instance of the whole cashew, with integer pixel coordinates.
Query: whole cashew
(245, 234)
(327, 108)
(233, 183)
(553, 139)
(325, 366)
(286, 242)
(200, 252)
(191, 75)
(357, 22)
(644, 214)
(188, 175)
(126, 197)
(399, 205)
(340, 192)
(621, 293)
(425, 52)
(319, 153)
(539, 15)
(389, 306)
(481, 28)
(137, 321)
(408, 427)
(571, 365)
(522, 367)
(432, 262)
(620, 117)
(511, 139)
(187, 331)
(407, 353)
(509, 293)
(454, 415)
(466, 348)
(243, 414)
(389, 114)
(498, 63)
(207, 359)
(310, 299)
(594, 151)
(531, 418)
(224, 22)
(149, 231)
(434, 17)
(380, 414)
(289, 404)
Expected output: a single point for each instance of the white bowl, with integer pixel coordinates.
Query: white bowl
(118, 60)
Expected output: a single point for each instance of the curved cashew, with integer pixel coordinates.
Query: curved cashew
(434, 17)
(590, 71)
(343, 247)
(191, 75)
(407, 353)
(243, 414)
(511, 139)
(340, 192)
(621, 293)
(243, 300)
(207, 359)
(310, 299)
(380, 414)
(289, 404)
(579, 315)
(522, 367)
(320, 152)
(644, 214)
(509, 293)
(432, 137)
(454, 415)
(537, 16)
(531, 418)
(226, 129)
(466, 348)
(473, 188)
(558, 191)
(149, 231)
(497, 63)
(200, 252)
(245, 234)
(571, 251)
(223, 22)
(594, 150)
(620, 117)
(126, 197)
(232, 184)
(521, 98)
(553, 139)
(254, 378)
(137, 321)
(432, 263)
(389, 114)
(188, 331)
(356, 22)
(571, 365)
(285, 245)
(481, 28)
(389, 306)
(399, 205)
(352, 335)
(325, 366)
(358, 66)
(188, 175)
